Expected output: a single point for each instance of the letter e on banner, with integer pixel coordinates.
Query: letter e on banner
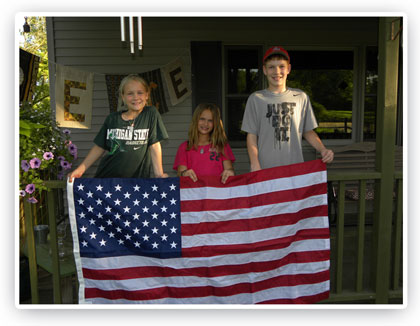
(73, 97)
(175, 81)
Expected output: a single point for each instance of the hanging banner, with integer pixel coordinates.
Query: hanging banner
(73, 97)
(153, 78)
(28, 70)
(175, 81)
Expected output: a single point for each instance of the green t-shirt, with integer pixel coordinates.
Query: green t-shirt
(128, 146)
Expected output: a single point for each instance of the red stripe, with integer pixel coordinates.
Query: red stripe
(206, 291)
(215, 271)
(253, 201)
(250, 224)
(258, 176)
(210, 251)
(301, 300)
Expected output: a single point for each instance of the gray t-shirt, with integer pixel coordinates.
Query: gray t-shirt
(279, 121)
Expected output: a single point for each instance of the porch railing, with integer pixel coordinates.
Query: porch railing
(353, 277)
(352, 253)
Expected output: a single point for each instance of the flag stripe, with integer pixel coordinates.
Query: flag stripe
(258, 188)
(292, 294)
(244, 224)
(273, 197)
(205, 291)
(215, 271)
(125, 262)
(301, 300)
(143, 284)
(266, 210)
(252, 178)
(210, 251)
(310, 225)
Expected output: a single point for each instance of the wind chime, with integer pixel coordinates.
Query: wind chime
(132, 32)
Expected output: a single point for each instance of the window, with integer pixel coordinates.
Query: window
(327, 77)
(243, 76)
(371, 89)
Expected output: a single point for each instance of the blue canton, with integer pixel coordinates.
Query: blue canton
(119, 216)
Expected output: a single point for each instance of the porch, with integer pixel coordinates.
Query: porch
(366, 235)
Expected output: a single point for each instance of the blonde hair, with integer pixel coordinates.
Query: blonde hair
(218, 137)
(125, 81)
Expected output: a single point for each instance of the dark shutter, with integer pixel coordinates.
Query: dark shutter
(206, 73)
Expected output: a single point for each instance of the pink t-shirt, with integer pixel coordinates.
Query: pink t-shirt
(204, 160)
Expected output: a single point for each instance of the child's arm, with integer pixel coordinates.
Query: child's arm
(184, 172)
(156, 154)
(228, 170)
(252, 145)
(313, 139)
(95, 153)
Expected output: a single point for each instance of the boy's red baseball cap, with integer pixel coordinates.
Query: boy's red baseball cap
(276, 50)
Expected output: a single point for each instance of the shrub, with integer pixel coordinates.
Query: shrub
(45, 151)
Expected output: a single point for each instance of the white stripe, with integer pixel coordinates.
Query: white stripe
(247, 237)
(76, 250)
(259, 211)
(196, 281)
(177, 263)
(253, 189)
(285, 292)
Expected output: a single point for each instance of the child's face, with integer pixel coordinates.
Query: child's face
(205, 123)
(276, 71)
(135, 96)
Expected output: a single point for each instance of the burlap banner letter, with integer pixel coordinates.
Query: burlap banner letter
(73, 97)
(175, 81)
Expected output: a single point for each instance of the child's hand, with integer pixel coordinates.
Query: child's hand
(190, 173)
(327, 156)
(226, 174)
(77, 173)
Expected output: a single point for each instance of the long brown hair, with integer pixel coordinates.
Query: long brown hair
(218, 137)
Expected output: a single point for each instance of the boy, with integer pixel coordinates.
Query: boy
(276, 118)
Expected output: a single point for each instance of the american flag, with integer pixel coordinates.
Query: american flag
(263, 237)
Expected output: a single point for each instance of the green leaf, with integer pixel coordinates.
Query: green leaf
(26, 127)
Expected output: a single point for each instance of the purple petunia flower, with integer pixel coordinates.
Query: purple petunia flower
(66, 132)
(35, 163)
(25, 165)
(48, 156)
(32, 200)
(22, 193)
(65, 165)
(72, 149)
(61, 158)
(30, 188)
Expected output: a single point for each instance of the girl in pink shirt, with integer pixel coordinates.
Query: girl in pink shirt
(207, 151)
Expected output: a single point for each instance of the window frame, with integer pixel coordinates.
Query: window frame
(225, 95)
(359, 75)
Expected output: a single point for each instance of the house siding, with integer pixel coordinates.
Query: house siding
(94, 44)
